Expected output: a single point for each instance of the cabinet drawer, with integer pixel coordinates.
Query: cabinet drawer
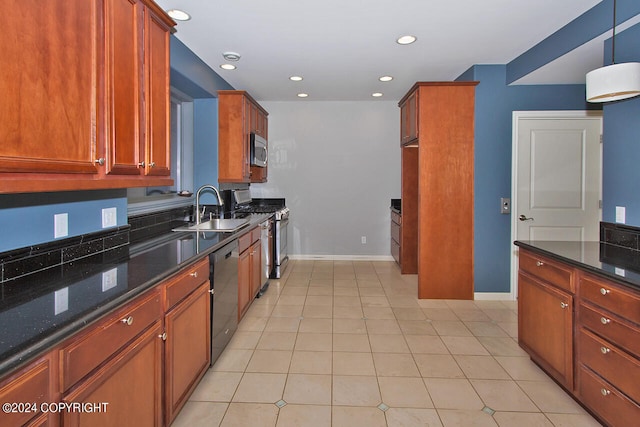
(255, 234)
(548, 270)
(610, 327)
(395, 232)
(84, 353)
(606, 401)
(396, 217)
(611, 296)
(30, 386)
(611, 363)
(247, 239)
(182, 284)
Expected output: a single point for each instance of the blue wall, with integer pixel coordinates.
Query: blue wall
(27, 219)
(621, 140)
(495, 103)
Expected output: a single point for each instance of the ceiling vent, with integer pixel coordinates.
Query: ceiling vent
(231, 56)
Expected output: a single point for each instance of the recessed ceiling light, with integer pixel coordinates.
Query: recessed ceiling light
(231, 56)
(295, 78)
(228, 67)
(406, 39)
(178, 15)
(303, 95)
(376, 94)
(385, 78)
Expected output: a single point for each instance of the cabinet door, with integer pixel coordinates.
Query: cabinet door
(256, 269)
(187, 348)
(124, 21)
(244, 282)
(130, 385)
(49, 109)
(545, 327)
(158, 139)
(31, 385)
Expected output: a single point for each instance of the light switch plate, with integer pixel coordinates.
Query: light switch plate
(505, 205)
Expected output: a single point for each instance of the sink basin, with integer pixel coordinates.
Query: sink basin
(220, 225)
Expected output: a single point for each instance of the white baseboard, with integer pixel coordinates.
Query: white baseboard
(494, 296)
(342, 257)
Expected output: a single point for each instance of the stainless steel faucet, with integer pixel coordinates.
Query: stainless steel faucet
(204, 187)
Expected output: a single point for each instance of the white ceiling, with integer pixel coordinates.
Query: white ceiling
(342, 47)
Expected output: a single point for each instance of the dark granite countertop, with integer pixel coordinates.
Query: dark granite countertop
(45, 308)
(609, 261)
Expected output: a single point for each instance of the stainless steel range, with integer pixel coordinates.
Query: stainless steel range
(245, 204)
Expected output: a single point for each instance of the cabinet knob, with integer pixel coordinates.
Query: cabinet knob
(604, 291)
(194, 274)
(152, 164)
(212, 291)
(605, 350)
(141, 164)
(127, 320)
(605, 392)
(539, 263)
(563, 305)
(163, 336)
(99, 161)
(605, 321)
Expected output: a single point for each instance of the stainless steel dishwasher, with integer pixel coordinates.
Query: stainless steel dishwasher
(224, 297)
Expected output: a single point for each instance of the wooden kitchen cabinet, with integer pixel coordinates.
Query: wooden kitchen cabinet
(249, 269)
(437, 143)
(137, 74)
(545, 314)
(188, 335)
(238, 116)
(33, 385)
(608, 349)
(130, 383)
(83, 109)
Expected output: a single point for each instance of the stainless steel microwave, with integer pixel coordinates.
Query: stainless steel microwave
(258, 150)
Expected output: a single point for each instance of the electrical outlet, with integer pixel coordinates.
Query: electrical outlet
(363, 239)
(60, 225)
(109, 217)
(505, 205)
(109, 279)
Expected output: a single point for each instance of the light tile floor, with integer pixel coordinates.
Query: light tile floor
(341, 343)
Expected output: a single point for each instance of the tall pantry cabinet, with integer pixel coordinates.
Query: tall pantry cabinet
(437, 133)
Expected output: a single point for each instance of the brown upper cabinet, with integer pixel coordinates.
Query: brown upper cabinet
(409, 118)
(238, 116)
(85, 95)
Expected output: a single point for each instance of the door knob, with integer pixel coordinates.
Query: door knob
(524, 218)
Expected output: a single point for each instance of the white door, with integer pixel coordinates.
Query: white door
(557, 176)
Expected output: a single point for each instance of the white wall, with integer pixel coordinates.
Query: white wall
(338, 166)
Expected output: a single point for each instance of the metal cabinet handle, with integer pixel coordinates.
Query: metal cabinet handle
(563, 305)
(99, 161)
(539, 263)
(605, 321)
(194, 274)
(127, 320)
(604, 291)
(212, 291)
(605, 350)
(163, 336)
(605, 392)
(141, 164)
(524, 218)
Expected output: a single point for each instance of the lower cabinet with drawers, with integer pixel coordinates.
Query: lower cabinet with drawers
(584, 331)
(135, 367)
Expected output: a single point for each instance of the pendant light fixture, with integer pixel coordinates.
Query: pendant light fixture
(616, 81)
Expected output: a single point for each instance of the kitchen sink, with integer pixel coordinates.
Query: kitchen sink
(226, 225)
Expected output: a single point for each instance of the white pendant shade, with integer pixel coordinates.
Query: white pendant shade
(614, 82)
